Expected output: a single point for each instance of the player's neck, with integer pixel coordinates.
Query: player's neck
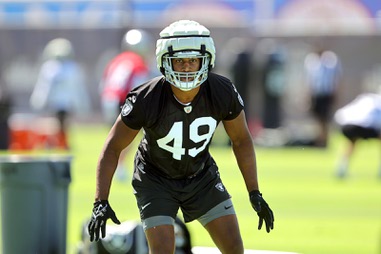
(184, 97)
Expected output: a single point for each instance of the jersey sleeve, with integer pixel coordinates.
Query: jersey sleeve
(142, 104)
(229, 102)
(132, 112)
(236, 105)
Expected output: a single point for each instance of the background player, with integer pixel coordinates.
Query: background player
(324, 76)
(60, 88)
(359, 119)
(124, 72)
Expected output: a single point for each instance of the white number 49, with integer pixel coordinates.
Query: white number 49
(176, 135)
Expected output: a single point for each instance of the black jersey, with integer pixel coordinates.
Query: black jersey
(177, 137)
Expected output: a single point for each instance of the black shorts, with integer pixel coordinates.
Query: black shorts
(353, 132)
(321, 106)
(160, 196)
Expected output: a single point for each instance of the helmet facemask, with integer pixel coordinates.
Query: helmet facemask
(186, 80)
(185, 39)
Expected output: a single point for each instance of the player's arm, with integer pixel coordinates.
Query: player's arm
(243, 149)
(119, 137)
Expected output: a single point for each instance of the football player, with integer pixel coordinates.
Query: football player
(60, 89)
(179, 113)
(123, 73)
(358, 120)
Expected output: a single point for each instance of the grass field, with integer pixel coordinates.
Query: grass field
(315, 213)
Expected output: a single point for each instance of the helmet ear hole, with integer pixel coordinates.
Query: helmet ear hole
(203, 49)
(170, 50)
(162, 70)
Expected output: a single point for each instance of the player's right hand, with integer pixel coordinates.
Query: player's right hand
(102, 211)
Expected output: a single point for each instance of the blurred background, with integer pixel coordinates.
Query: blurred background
(269, 48)
(282, 31)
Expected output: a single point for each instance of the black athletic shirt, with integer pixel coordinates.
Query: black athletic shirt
(176, 137)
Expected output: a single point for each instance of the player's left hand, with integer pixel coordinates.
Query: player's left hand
(263, 210)
(102, 211)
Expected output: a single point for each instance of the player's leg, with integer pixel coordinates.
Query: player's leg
(161, 239)
(211, 205)
(62, 117)
(225, 234)
(343, 166)
(351, 133)
(321, 108)
(222, 225)
(157, 208)
(345, 159)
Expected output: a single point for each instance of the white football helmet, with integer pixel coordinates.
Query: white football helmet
(185, 39)
(58, 48)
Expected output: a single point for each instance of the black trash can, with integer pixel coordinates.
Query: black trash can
(34, 197)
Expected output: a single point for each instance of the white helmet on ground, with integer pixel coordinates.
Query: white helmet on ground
(185, 39)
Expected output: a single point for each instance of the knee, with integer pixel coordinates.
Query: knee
(233, 246)
(161, 239)
(161, 247)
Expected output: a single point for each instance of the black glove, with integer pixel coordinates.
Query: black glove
(102, 211)
(263, 210)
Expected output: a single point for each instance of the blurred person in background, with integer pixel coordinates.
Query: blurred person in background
(123, 73)
(273, 81)
(242, 66)
(323, 74)
(174, 170)
(5, 112)
(60, 88)
(358, 120)
(241, 70)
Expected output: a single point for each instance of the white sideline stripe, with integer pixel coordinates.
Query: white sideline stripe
(213, 250)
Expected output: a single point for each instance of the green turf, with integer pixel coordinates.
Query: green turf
(314, 211)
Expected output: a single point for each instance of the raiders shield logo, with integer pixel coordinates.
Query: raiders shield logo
(127, 107)
(220, 187)
(188, 109)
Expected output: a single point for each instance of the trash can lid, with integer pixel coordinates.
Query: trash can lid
(17, 158)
